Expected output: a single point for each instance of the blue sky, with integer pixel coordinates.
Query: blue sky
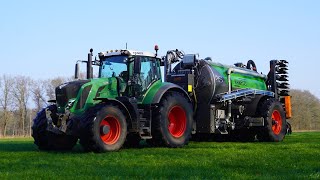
(43, 39)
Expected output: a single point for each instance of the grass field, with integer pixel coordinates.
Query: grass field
(297, 157)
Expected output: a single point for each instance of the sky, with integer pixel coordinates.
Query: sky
(43, 39)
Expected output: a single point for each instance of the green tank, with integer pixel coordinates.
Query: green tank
(212, 79)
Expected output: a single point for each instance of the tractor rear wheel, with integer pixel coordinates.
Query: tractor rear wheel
(172, 121)
(46, 140)
(103, 129)
(274, 119)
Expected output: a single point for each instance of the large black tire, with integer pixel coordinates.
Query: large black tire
(46, 140)
(103, 128)
(275, 125)
(172, 121)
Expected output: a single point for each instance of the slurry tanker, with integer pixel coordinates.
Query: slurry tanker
(130, 101)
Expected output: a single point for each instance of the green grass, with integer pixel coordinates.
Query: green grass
(297, 157)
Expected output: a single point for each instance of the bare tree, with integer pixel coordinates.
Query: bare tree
(5, 101)
(21, 93)
(51, 85)
(38, 94)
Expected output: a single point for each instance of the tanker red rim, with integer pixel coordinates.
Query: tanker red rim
(113, 135)
(276, 122)
(177, 121)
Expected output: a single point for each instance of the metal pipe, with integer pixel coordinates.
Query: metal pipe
(230, 70)
(76, 71)
(89, 66)
(229, 111)
(165, 68)
(229, 91)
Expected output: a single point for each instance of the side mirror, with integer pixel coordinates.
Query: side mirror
(137, 65)
(77, 71)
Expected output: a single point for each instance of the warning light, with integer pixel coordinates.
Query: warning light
(156, 47)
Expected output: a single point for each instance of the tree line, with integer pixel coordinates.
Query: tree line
(22, 97)
(305, 110)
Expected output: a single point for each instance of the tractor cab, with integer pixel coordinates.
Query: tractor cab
(135, 71)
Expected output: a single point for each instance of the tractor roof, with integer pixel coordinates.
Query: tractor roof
(126, 52)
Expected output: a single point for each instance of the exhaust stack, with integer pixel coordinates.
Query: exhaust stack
(89, 65)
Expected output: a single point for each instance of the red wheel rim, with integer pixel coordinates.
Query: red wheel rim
(276, 122)
(114, 130)
(177, 121)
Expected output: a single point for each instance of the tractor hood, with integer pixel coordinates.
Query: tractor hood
(79, 95)
(67, 91)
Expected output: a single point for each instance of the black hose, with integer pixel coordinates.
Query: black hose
(251, 65)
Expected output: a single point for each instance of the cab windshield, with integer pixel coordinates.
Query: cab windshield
(113, 66)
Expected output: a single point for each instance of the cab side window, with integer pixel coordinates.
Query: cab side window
(149, 72)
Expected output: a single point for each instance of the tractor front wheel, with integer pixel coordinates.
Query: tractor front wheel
(46, 140)
(103, 129)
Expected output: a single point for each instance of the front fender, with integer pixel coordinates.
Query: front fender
(125, 107)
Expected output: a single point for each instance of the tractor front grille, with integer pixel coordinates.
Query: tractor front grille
(68, 91)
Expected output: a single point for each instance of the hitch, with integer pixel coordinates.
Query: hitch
(62, 118)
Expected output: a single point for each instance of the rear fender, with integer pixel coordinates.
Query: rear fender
(167, 87)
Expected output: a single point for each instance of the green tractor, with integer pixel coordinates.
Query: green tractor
(130, 102)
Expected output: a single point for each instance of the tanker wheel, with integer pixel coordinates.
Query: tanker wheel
(274, 119)
(104, 128)
(172, 121)
(46, 140)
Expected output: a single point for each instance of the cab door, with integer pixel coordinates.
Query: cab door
(149, 74)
